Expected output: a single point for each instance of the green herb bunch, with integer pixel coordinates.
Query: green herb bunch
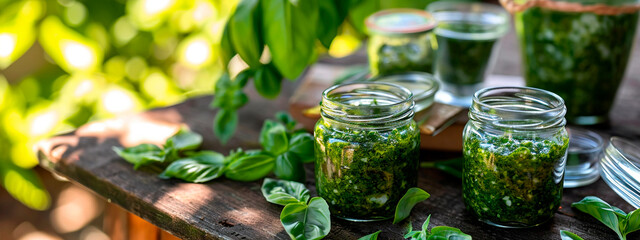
(285, 149)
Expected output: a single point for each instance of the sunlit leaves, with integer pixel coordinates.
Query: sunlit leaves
(24, 186)
(196, 51)
(149, 14)
(70, 50)
(17, 31)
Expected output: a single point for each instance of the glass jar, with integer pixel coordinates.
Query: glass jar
(578, 49)
(400, 41)
(467, 34)
(366, 146)
(621, 169)
(514, 148)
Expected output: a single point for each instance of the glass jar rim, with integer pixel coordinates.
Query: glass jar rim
(495, 15)
(519, 108)
(373, 25)
(356, 104)
(621, 168)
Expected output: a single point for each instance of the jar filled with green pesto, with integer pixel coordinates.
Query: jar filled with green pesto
(578, 49)
(366, 146)
(514, 148)
(401, 40)
(467, 35)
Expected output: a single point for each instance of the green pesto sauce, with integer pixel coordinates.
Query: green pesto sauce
(579, 56)
(400, 54)
(363, 173)
(463, 61)
(511, 181)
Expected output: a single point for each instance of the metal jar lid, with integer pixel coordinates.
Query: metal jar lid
(400, 21)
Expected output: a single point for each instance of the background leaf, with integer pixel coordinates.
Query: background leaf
(412, 197)
(268, 81)
(225, 124)
(330, 20)
(283, 192)
(246, 31)
(290, 32)
(302, 221)
(201, 167)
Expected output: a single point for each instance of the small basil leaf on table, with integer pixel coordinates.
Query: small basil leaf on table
(419, 235)
(246, 31)
(407, 202)
(250, 167)
(301, 144)
(268, 81)
(289, 167)
(283, 192)
(307, 221)
(225, 124)
(605, 213)
(200, 167)
(141, 155)
(373, 236)
(186, 140)
(444, 232)
(289, 29)
(273, 137)
(633, 221)
(566, 235)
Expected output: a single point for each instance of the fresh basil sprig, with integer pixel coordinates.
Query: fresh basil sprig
(566, 235)
(199, 167)
(613, 217)
(229, 97)
(301, 218)
(412, 197)
(439, 232)
(145, 154)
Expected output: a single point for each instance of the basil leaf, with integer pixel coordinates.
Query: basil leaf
(226, 46)
(185, 140)
(250, 167)
(407, 202)
(302, 221)
(289, 167)
(373, 236)
(301, 145)
(444, 232)
(268, 81)
(330, 21)
(229, 95)
(360, 11)
(287, 120)
(246, 31)
(140, 155)
(283, 192)
(633, 221)
(605, 213)
(201, 167)
(566, 235)
(225, 124)
(273, 138)
(243, 77)
(289, 29)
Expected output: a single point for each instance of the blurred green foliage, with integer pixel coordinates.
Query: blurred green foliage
(101, 58)
(95, 59)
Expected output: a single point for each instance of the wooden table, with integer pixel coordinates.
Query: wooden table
(224, 209)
